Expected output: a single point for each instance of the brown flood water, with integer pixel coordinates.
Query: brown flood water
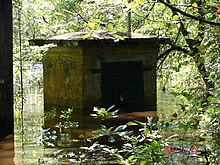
(27, 147)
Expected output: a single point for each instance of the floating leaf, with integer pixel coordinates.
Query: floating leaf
(97, 20)
(178, 25)
(209, 98)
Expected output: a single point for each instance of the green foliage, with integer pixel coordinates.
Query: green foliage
(191, 72)
(102, 112)
(51, 114)
(210, 126)
(66, 124)
(156, 141)
(48, 138)
(141, 148)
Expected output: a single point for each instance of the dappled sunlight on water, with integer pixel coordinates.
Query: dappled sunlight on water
(28, 147)
(166, 103)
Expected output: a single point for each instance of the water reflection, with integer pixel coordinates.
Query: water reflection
(28, 145)
(166, 103)
(7, 150)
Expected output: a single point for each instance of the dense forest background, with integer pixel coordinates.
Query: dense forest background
(189, 67)
(192, 26)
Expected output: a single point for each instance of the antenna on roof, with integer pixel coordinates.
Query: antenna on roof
(129, 22)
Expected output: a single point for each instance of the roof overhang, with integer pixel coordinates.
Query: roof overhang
(100, 38)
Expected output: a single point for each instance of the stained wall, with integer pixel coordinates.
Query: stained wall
(72, 75)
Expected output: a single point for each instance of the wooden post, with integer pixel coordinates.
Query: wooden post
(6, 69)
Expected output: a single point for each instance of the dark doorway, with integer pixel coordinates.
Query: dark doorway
(122, 86)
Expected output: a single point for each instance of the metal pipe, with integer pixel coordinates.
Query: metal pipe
(129, 22)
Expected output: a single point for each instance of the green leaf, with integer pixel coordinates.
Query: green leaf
(202, 60)
(141, 2)
(106, 149)
(110, 27)
(143, 163)
(111, 139)
(87, 35)
(178, 25)
(209, 98)
(131, 123)
(176, 17)
(59, 143)
(154, 143)
(130, 158)
(110, 107)
(120, 128)
(96, 109)
(118, 37)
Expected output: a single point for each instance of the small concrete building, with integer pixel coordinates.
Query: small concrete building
(100, 70)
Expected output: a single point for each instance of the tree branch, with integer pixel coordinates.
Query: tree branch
(165, 54)
(188, 15)
(101, 23)
(138, 23)
(173, 47)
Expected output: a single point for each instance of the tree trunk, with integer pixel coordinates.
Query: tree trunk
(6, 69)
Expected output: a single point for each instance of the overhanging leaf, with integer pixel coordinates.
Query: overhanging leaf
(118, 37)
(141, 2)
(195, 4)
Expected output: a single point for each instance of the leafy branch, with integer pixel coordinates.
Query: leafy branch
(188, 15)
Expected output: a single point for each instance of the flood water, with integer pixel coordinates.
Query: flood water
(28, 147)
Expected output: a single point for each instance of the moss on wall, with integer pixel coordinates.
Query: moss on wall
(63, 76)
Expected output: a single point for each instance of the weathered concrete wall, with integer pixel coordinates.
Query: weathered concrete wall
(92, 83)
(63, 80)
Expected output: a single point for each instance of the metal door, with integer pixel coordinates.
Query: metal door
(122, 85)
